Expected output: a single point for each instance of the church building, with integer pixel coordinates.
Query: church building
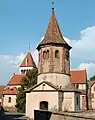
(54, 90)
(11, 90)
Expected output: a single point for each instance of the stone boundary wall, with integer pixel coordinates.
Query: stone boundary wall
(73, 116)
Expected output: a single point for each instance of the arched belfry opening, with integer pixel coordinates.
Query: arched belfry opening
(44, 105)
(57, 54)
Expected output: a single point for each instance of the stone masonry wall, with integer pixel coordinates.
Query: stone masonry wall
(71, 116)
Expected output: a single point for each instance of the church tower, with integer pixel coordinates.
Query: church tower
(54, 58)
(27, 64)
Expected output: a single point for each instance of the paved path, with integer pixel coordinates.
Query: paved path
(12, 116)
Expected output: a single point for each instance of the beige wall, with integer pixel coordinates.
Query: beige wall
(69, 101)
(93, 97)
(82, 86)
(6, 98)
(24, 68)
(60, 65)
(54, 78)
(33, 100)
(11, 86)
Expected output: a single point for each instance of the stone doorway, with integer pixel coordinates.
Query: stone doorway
(44, 105)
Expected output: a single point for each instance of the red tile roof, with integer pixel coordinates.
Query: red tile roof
(16, 79)
(10, 91)
(30, 61)
(53, 33)
(78, 76)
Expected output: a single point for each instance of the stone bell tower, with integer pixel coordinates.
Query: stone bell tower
(54, 58)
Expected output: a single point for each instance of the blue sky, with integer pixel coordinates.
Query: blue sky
(24, 22)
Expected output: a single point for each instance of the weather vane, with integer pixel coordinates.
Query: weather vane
(52, 2)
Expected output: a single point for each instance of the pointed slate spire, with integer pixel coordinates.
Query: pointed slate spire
(29, 60)
(53, 34)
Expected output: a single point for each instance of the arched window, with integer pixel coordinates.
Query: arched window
(46, 54)
(44, 105)
(22, 71)
(57, 54)
(9, 100)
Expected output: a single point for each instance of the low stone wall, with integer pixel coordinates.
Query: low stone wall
(90, 115)
(13, 109)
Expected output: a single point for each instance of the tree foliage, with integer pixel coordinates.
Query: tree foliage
(93, 77)
(28, 81)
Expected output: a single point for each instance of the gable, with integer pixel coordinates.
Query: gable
(44, 86)
(28, 61)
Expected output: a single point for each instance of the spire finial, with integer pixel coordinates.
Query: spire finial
(52, 2)
(52, 5)
(29, 47)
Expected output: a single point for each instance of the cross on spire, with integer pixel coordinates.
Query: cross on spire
(52, 4)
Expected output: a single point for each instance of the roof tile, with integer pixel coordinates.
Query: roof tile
(16, 79)
(53, 33)
(10, 91)
(78, 76)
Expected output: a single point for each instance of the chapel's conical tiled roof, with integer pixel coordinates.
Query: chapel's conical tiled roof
(53, 34)
(30, 61)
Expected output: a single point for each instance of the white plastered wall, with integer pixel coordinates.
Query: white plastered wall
(82, 86)
(12, 86)
(12, 103)
(24, 68)
(54, 78)
(33, 100)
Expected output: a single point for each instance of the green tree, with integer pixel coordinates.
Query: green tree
(93, 77)
(28, 81)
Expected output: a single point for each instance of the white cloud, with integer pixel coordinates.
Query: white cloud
(84, 47)
(83, 50)
(90, 67)
(35, 56)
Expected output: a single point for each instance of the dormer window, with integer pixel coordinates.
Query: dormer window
(57, 54)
